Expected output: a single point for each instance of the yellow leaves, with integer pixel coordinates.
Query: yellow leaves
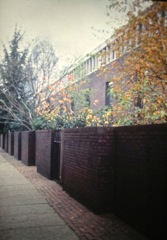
(94, 118)
(160, 100)
(61, 101)
(65, 109)
(65, 99)
(96, 102)
(144, 100)
(137, 67)
(70, 89)
(89, 117)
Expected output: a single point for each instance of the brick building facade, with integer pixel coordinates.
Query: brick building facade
(106, 56)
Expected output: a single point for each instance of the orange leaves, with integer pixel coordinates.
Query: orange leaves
(70, 77)
(50, 87)
(137, 67)
(160, 100)
(139, 84)
(52, 99)
(96, 102)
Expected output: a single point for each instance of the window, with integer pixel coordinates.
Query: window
(87, 97)
(164, 15)
(124, 49)
(85, 70)
(87, 66)
(82, 70)
(90, 64)
(104, 56)
(72, 105)
(108, 94)
(113, 54)
(93, 63)
(138, 33)
(108, 54)
(96, 61)
(99, 59)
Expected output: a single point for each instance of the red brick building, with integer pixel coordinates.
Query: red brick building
(96, 70)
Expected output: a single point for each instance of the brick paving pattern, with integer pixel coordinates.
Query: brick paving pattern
(86, 224)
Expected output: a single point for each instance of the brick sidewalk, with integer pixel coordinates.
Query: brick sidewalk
(86, 224)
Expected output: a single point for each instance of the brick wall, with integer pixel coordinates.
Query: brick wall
(45, 153)
(11, 143)
(122, 169)
(140, 178)
(17, 145)
(6, 142)
(28, 147)
(0, 139)
(3, 140)
(87, 166)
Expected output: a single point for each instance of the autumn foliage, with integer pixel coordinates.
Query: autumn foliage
(140, 82)
(137, 73)
(68, 106)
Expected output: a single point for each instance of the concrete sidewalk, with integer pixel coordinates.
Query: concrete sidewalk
(24, 213)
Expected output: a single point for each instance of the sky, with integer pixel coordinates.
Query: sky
(74, 27)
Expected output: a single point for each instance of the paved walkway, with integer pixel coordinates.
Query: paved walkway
(33, 207)
(24, 213)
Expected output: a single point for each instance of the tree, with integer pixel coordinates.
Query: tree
(23, 76)
(66, 97)
(140, 82)
(41, 73)
(13, 77)
(31, 97)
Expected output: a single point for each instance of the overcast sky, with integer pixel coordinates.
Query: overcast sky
(67, 24)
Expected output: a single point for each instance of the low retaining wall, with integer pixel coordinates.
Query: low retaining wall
(45, 153)
(121, 169)
(17, 145)
(28, 147)
(11, 143)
